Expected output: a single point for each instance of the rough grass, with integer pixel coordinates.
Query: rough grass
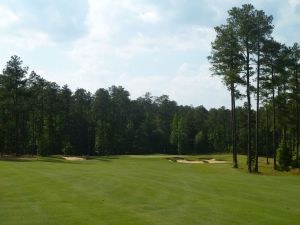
(144, 190)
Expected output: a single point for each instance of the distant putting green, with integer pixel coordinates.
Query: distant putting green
(141, 190)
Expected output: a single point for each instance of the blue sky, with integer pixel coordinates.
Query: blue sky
(157, 46)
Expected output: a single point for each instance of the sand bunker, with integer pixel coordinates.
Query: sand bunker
(214, 161)
(189, 161)
(73, 158)
(211, 161)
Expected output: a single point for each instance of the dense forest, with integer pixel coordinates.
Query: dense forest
(40, 117)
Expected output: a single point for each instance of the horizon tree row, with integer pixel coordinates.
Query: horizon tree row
(40, 117)
(254, 65)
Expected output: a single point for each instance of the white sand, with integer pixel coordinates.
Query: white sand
(189, 161)
(73, 158)
(214, 161)
(211, 161)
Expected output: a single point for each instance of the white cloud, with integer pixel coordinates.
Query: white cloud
(100, 19)
(188, 39)
(294, 3)
(101, 46)
(7, 17)
(183, 68)
(150, 16)
(288, 22)
(186, 88)
(288, 14)
(89, 50)
(26, 40)
(195, 83)
(145, 12)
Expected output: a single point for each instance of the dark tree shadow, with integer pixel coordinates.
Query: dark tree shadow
(102, 158)
(56, 159)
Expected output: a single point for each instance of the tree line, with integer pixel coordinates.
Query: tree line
(253, 64)
(40, 117)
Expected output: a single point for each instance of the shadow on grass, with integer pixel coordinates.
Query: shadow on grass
(102, 158)
(33, 159)
(205, 158)
(56, 159)
(174, 159)
(17, 159)
(52, 159)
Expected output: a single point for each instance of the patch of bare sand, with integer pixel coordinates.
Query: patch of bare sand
(214, 161)
(71, 158)
(211, 161)
(189, 161)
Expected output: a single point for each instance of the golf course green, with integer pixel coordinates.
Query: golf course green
(141, 190)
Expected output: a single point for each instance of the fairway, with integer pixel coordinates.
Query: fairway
(144, 190)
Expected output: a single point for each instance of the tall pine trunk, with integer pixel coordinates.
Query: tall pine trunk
(297, 135)
(267, 136)
(297, 121)
(257, 110)
(17, 151)
(274, 119)
(233, 123)
(33, 134)
(248, 109)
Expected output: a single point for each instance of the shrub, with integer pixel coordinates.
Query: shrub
(284, 155)
(67, 149)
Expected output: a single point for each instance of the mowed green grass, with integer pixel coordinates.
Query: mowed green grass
(144, 190)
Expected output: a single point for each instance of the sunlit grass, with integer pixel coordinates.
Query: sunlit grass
(145, 190)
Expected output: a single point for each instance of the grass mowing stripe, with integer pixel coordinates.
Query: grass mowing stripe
(144, 190)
